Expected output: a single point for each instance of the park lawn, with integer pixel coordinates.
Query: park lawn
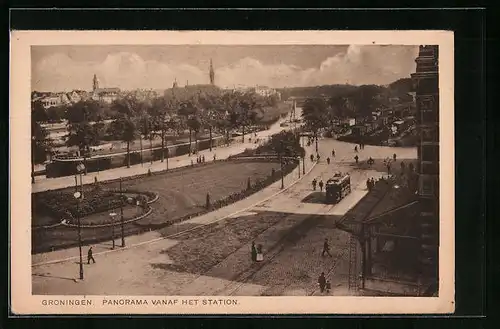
(181, 193)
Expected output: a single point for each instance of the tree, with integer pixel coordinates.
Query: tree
(87, 110)
(56, 113)
(213, 114)
(38, 112)
(337, 109)
(286, 144)
(124, 129)
(314, 115)
(194, 123)
(230, 103)
(365, 99)
(145, 129)
(246, 112)
(39, 146)
(189, 111)
(82, 135)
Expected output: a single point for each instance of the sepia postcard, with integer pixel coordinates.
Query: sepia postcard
(232, 172)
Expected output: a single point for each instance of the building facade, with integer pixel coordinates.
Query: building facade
(426, 84)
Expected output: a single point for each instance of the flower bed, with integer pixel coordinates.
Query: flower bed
(62, 204)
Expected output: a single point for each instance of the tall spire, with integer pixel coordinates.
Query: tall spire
(95, 83)
(212, 73)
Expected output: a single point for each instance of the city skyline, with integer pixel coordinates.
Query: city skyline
(66, 68)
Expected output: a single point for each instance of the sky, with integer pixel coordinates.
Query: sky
(65, 68)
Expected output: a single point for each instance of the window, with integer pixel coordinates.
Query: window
(426, 185)
(430, 152)
(430, 168)
(430, 134)
(429, 117)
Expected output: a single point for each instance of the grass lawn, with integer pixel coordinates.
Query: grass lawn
(202, 249)
(181, 193)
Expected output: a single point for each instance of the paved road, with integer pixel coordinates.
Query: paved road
(43, 184)
(291, 245)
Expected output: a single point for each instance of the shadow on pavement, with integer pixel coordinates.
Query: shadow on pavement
(54, 277)
(314, 197)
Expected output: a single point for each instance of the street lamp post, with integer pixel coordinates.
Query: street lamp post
(113, 231)
(79, 197)
(121, 214)
(113, 216)
(32, 159)
(281, 166)
(167, 156)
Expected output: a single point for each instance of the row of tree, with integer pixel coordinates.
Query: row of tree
(321, 112)
(134, 118)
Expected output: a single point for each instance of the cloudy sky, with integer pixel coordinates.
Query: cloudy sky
(64, 68)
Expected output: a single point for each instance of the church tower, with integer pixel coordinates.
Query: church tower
(95, 83)
(212, 73)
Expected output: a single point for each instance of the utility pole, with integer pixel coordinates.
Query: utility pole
(121, 215)
(281, 165)
(79, 196)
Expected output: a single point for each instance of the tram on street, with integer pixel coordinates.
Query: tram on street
(337, 187)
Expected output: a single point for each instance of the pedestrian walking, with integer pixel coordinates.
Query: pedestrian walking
(333, 153)
(394, 156)
(312, 158)
(356, 158)
(203, 158)
(215, 157)
(322, 282)
(90, 256)
(326, 249)
(356, 148)
(372, 182)
(321, 185)
(254, 252)
(328, 160)
(368, 184)
(317, 157)
(314, 184)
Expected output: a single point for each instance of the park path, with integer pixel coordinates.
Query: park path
(222, 152)
(129, 271)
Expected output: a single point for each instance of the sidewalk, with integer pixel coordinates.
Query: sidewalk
(221, 152)
(178, 228)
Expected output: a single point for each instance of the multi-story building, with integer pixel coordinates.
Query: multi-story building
(266, 91)
(56, 99)
(426, 83)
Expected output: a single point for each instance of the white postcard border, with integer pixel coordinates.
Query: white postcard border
(22, 300)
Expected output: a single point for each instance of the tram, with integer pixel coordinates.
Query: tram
(337, 187)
